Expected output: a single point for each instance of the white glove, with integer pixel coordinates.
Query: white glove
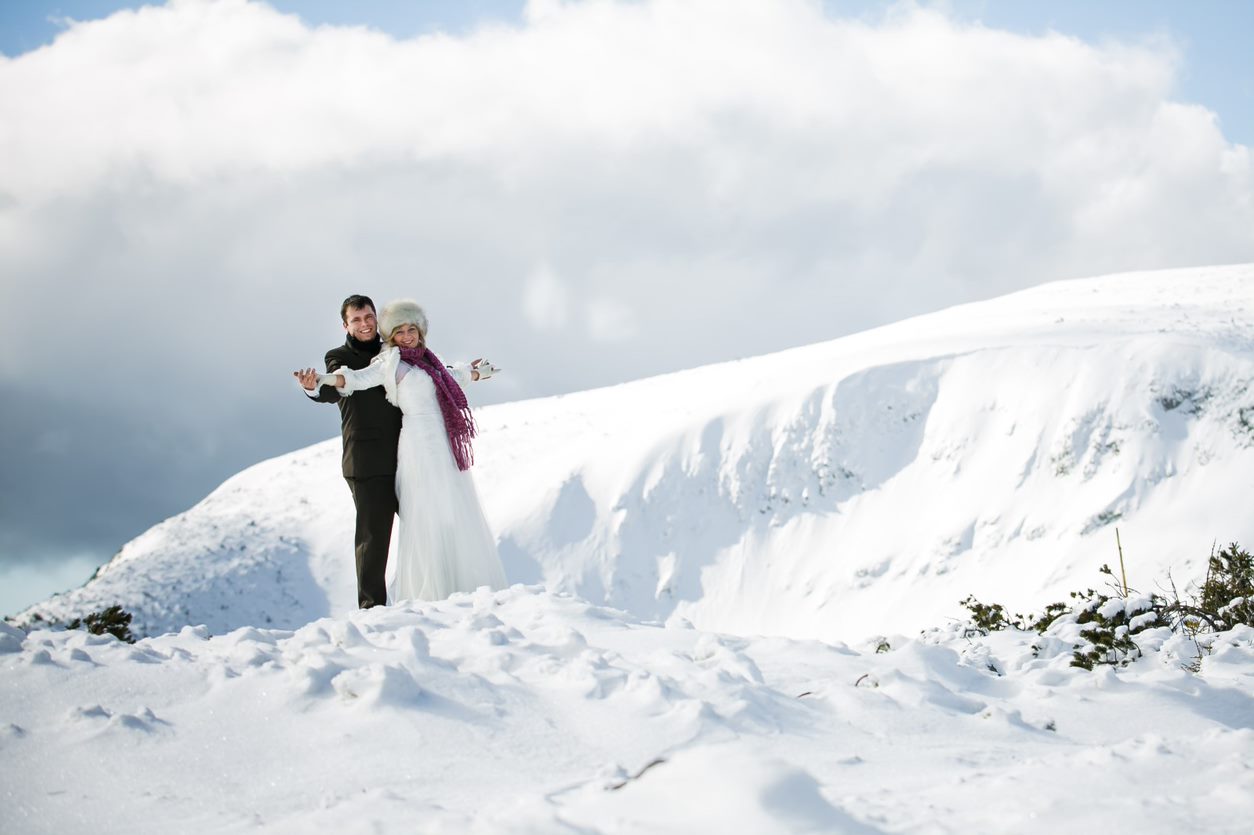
(328, 380)
(485, 369)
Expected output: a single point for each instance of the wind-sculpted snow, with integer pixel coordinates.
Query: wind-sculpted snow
(525, 711)
(858, 486)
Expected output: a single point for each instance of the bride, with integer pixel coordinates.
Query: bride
(445, 545)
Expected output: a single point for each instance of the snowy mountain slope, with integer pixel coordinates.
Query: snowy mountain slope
(833, 491)
(859, 486)
(524, 711)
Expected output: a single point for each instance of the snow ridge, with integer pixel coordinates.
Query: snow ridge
(858, 486)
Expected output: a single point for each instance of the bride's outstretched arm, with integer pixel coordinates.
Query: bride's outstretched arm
(475, 370)
(308, 380)
(348, 381)
(311, 380)
(344, 380)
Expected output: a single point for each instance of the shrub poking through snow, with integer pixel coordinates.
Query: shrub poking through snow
(1227, 594)
(1224, 599)
(114, 621)
(986, 618)
(1109, 624)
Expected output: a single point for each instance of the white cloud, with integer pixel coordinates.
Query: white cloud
(194, 187)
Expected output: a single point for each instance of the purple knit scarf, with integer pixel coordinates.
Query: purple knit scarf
(459, 423)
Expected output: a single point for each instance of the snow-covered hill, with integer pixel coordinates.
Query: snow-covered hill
(858, 486)
(784, 506)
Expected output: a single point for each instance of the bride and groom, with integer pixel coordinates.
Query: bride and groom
(407, 431)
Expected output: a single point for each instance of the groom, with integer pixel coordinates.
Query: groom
(371, 427)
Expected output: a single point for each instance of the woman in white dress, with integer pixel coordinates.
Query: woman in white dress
(445, 545)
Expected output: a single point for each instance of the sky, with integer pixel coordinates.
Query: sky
(584, 192)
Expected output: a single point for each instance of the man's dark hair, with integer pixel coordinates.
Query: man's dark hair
(356, 301)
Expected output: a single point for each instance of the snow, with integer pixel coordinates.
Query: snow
(532, 711)
(735, 602)
(854, 487)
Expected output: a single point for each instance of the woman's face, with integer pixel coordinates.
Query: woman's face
(407, 336)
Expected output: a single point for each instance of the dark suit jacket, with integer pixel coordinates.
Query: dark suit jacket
(370, 424)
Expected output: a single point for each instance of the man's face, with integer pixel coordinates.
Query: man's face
(360, 323)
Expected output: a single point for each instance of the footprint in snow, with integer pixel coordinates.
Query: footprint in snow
(1013, 718)
(346, 635)
(378, 685)
(77, 654)
(483, 620)
(250, 634)
(88, 712)
(144, 721)
(141, 720)
(312, 675)
(41, 658)
(252, 656)
(144, 656)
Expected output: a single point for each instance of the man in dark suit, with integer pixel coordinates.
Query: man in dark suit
(371, 426)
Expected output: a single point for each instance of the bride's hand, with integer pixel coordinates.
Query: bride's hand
(481, 369)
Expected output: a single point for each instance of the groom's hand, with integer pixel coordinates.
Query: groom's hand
(308, 378)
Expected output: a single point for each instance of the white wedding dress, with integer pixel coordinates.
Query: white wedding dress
(444, 543)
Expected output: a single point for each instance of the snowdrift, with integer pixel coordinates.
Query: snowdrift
(528, 712)
(849, 488)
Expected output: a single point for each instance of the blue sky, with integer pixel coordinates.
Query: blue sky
(198, 186)
(1214, 35)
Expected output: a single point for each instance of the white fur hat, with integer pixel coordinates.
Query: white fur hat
(401, 312)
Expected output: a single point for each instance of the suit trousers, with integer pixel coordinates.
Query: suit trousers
(375, 499)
